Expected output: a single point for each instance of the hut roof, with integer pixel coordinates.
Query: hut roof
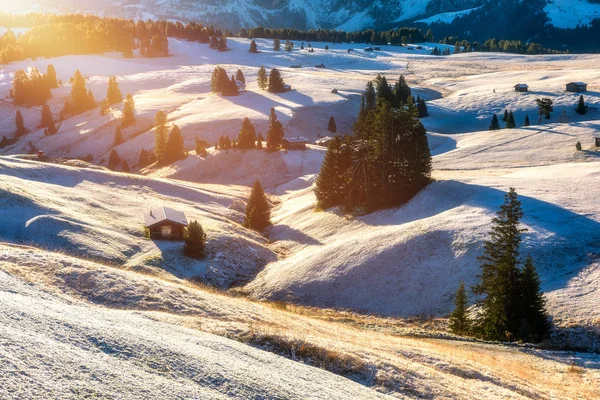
(162, 214)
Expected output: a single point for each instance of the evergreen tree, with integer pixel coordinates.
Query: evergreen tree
(91, 101)
(534, 325)
(276, 84)
(118, 136)
(384, 91)
(222, 46)
(79, 95)
(51, 77)
(401, 92)
(125, 167)
(370, 96)
(113, 93)
(495, 125)
(510, 121)
(239, 76)
(499, 277)
(505, 117)
(258, 209)
(195, 240)
(330, 186)
(459, 321)
(247, 136)
(262, 80)
(46, 116)
(578, 146)
(114, 160)
(331, 127)
(20, 124)
(253, 48)
(581, 107)
(545, 107)
(422, 108)
(526, 123)
(201, 146)
(174, 148)
(276, 45)
(326, 47)
(160, 143)
(289, 46)
(128, 112)
(104, 107)
(274, 132)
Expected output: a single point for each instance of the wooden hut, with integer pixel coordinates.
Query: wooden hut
(295, 143)
(576, 87)
(165, 223)
(521, 87)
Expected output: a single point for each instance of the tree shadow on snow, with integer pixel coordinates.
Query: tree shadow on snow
(285, 232)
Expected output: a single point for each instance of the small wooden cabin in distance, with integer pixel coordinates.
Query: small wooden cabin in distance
(576, 87)
(294, 143)
(521, 87)
(165, 223)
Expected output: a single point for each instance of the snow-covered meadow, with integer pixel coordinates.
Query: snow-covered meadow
(400, 262)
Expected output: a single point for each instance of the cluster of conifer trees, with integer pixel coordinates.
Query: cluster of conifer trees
(168, 147)
(385, 162)
(221, 84)
(31, 87)
(511, 304)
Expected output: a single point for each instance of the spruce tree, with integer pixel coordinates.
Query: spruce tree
(114, 160)
(495, 125)
(79, 95)
(510, 121)
(526, 123)
(113, 93)
(222, 46)
(534, 324)
(578, 146)
(46, 116)
(331, 127)
(422, 108)
(195, 240)
(160, 143)
(330, 185)
(253, 48)
(20, 124)
(505, 117)
(276, 84)
(581, 107)
(118, 136)
(262, 79)
(247, 136)
(459, 321)
(274, 132)
(51, 77)
(258, 209)
(125, 167)
(128, 112)
(545, 107)
(276, 45)
(289, 46)
(370, 96)
(499, 277)
(239, 76)
(401, 92)
(174, 147)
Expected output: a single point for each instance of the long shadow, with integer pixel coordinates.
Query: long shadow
(262, 104)
(285, 232)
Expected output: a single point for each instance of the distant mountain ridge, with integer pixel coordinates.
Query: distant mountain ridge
(463, 17)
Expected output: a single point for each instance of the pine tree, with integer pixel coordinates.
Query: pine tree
(330, 184)
(289, 46)
(262, 80)
(113, 93)
(222, 46)
(104, 107)
(276, 84)
(118, 136)
(384, 91)
(401, 92)
(545, 107)
(370, 96)
(534, 324)
(195, 240)
(510, 121)
(247, 136)
(258, 209)
(578, 146)
(581, 107)
(422, 108)
(526, 123)
(274, 132)
(326, 47)
(331, 127)
(20, 124)
(114, 160)
(174, 148)
(459, 321)
(499, 277)
(79, 95)
(505, 117)
(276, 45)
(495, 125)
(125, 167)
(160, 143)
(128, 112)
(239, 76)
(253, 48)
(91, 101)
(46, 116)
(51, 77)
